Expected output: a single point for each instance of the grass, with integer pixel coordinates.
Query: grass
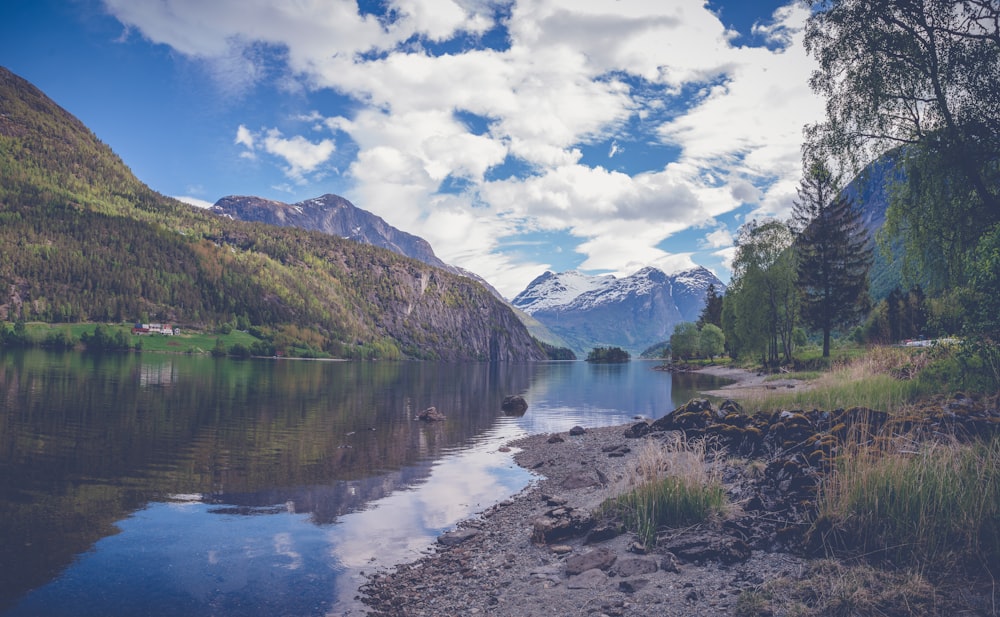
(671, 486)
(185, 342)
(880, 379)
(934, 505)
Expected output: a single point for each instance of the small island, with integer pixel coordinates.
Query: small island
(608, 355)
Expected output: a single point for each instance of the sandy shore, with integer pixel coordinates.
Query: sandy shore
(748, 383)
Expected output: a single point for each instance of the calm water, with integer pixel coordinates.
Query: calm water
(171, 485)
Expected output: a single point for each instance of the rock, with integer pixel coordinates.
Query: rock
(633, 585)
(576, 431)
(637, 430)
(431, 414)
(581, 479)
(637, 547)
(603, 533)
(634, 566)
(514, 405)
(668, 563)
(555, 439)
(456, 537)
(591, 579)
(560, 524)
(561, 549)
(703, 546)
(601, 559)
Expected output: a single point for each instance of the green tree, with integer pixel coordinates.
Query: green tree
(985, 270)
(712, 312)
(608, 355)
(917, 79)
(834, 253)
(220, 348)
(685, 342)
(760, 307)
(712, 341)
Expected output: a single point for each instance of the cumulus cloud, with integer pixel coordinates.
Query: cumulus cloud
(300, 155)
(571, 74)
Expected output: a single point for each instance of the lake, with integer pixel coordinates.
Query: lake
(169, 485)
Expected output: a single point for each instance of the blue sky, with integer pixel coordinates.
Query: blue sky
(515, 136)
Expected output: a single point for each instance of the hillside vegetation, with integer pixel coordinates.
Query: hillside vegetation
(84, 240)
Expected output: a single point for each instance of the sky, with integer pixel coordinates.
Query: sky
(516, 136)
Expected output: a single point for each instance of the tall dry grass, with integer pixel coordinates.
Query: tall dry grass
(932, 506)
(672, 485)
(881, 379)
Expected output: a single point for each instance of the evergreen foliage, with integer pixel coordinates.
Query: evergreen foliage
(834, 253)
(712, 313)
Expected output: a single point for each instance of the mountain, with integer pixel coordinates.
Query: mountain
(870, 191)
(334, 215)
(84, 240)
(632, 312)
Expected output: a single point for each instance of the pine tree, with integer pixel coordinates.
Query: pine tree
(834, 250)
(712, 312)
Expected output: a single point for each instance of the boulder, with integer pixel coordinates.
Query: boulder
(576, 431)
(514, 405)
(431, 414)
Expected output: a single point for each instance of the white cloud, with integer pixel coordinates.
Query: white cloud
(301, 155)
(244, 137)
(576, 73)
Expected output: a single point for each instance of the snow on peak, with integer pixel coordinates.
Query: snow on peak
(577, 291)
(551, 290)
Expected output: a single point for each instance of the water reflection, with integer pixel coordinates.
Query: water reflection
(186, 485)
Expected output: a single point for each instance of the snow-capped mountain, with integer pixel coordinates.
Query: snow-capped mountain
(633, 312)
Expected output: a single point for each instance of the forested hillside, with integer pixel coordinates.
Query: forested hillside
(82, 239)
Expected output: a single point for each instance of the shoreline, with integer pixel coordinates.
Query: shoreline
(747, 383)
(549, 551)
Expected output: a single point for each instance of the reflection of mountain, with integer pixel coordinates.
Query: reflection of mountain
(89, 439)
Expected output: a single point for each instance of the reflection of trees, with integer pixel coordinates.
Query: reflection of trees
(85, 440)
(687, 386)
